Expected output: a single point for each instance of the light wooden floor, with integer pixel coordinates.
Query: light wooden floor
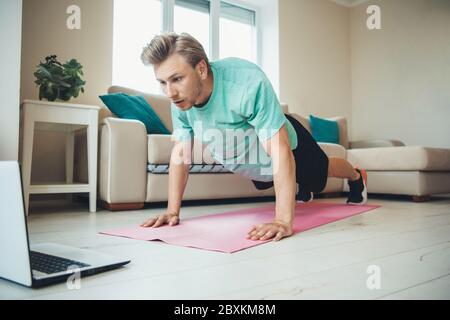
(408, 242)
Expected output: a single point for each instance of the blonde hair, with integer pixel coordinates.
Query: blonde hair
(166, 44)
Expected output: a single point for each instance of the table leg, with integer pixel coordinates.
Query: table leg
(27, 156)
(70, 146)
(92, 162)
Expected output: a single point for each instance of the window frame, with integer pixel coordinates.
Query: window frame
(167, 8)
(167, 25)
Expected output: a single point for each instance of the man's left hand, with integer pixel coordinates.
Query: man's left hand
(276, 230)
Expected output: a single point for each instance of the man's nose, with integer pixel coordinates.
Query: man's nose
(171, 91)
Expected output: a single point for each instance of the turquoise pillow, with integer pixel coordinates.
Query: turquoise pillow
(134, 107)
(324, 130)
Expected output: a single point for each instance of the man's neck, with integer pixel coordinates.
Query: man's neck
(207, 91)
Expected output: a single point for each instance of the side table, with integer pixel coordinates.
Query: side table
(66, 117)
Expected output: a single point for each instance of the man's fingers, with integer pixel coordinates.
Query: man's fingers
(269, 234)
(173, 221)
(255, 235)
(260, 233)
(255, 228)
(251, 234)
(252, 229)
(279, 236)
(149, 222)
(263, 232)
(268, 231)
(159, 222)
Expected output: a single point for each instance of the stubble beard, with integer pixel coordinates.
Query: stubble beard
(198, 93)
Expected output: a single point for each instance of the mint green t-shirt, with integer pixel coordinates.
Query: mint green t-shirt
(242, 112)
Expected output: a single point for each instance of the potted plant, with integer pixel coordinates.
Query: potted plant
(59, 81)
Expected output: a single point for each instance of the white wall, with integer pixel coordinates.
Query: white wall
(10, 37)
(315, 57)
(268, 40)
(44, 33)
(401, 73)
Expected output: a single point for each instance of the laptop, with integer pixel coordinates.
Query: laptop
(41, 264)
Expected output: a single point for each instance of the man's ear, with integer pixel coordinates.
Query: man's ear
(202, 69)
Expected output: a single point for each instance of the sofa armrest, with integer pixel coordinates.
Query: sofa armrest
(123, 161)
(375, 144)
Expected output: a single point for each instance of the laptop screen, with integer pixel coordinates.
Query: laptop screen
(14, 246)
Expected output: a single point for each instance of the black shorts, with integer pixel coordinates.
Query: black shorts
(311, 162)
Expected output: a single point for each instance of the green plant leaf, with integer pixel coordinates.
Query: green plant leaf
(56, 80)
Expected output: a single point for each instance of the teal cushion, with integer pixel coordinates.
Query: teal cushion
(324, 130)
(134, 107)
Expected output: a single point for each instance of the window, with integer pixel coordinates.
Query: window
(224, 29)
(237, 32)
(135, 24)
(192, 16)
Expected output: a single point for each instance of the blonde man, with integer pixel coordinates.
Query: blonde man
(234, 94)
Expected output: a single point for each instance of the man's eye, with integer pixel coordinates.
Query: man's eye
(177, 79)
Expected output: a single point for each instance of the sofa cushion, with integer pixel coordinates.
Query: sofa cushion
(324, 130)
(134, 107)
(342, 124)
(160, 148)
(406, 158)
(159, 103)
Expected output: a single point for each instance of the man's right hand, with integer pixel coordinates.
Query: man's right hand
(169, 218)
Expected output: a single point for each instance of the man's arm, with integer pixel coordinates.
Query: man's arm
(278, 147)
(180, 160)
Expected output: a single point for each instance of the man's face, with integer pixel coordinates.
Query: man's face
(180, 81)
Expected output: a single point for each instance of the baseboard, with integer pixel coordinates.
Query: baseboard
(122, 206)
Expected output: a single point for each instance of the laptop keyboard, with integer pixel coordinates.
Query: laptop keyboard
(51, 264)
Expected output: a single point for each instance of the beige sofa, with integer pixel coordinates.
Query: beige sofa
(133, 165)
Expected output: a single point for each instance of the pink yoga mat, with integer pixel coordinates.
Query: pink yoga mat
(226, 232)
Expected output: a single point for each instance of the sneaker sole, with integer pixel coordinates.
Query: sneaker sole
(312, 198)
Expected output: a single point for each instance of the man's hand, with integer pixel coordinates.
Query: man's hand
(276, 230)
(169, 218)
(284, 167)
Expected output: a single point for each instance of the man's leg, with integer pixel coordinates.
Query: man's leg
(357, 179)
(341, 168)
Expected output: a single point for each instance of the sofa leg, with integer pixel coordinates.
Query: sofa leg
(421, 198)
(122, 206)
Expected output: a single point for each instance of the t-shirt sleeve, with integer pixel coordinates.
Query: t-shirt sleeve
(182, 130)
(263, 110)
